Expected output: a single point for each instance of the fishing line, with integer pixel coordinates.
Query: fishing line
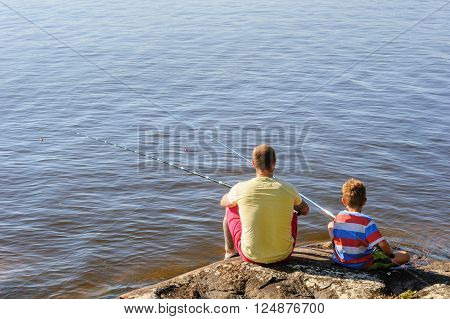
(327, 213)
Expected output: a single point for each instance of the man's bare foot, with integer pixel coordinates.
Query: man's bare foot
(230, 254)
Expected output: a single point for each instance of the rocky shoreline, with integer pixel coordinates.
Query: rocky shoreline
(308, 274)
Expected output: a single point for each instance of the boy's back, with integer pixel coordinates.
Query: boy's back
(355, 235)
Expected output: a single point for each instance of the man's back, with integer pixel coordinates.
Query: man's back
(265, 208)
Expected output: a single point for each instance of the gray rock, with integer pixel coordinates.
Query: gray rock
(437, 291)
(308, 274)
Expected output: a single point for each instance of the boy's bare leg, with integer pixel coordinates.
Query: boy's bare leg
(401, 257)
(229, 245)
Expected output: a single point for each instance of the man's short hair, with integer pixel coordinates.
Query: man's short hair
(264, 157)
(354, 193)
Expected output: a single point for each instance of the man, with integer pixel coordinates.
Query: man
(260, 222)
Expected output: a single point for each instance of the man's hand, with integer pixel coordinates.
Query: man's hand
(303, 208)
(224, 202)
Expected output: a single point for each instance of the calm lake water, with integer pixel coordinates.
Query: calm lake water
(82, 219)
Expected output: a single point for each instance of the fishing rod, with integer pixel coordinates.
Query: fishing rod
(327, 212)
(192, 172)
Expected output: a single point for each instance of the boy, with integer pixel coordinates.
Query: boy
(357, 242)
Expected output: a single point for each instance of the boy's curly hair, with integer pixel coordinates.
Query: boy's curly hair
(354, 192)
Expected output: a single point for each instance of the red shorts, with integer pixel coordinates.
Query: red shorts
(235, 226)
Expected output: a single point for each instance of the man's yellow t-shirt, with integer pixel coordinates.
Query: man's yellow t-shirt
(266, 206)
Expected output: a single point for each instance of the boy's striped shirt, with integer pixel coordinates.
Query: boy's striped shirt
(355, 235)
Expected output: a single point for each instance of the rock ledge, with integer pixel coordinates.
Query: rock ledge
(308, 274)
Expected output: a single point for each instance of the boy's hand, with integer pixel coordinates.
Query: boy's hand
(386, 248)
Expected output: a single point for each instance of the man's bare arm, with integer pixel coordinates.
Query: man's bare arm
(224, 202)
(303, 208)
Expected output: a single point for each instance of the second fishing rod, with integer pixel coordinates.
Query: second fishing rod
(192, 172)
